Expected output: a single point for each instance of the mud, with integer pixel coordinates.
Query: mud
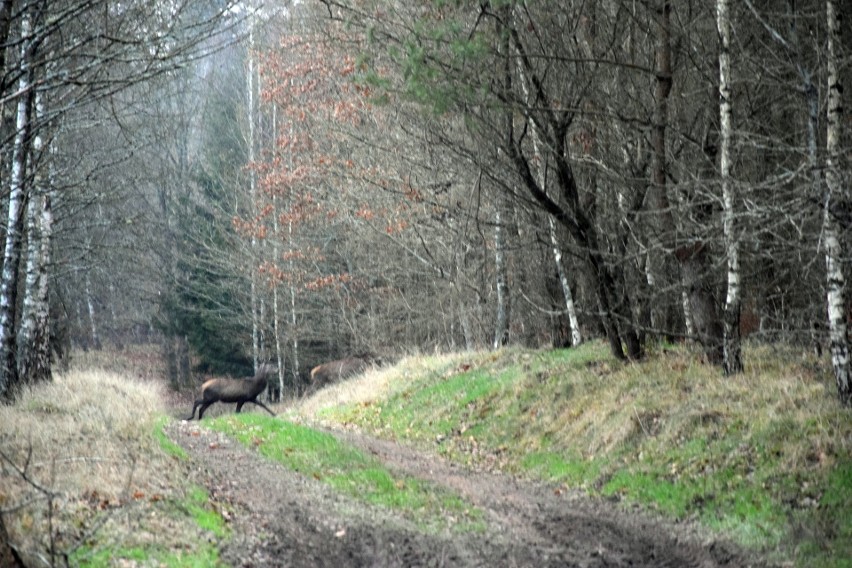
(281, 518)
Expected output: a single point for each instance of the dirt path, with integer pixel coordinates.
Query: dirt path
(280, 518)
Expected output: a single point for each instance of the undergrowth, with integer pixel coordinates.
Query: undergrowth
(89, 478)
(762, 458)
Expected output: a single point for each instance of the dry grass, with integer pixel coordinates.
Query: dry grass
(670, 397)
(86, 440)
(763, 456)
(374, 384)
(143, 362)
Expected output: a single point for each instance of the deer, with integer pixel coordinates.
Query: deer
(240, 391)
(340, 369)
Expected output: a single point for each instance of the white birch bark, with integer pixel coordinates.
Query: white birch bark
(576, 336)
(732, 348)
(90, 307)
(835, 193)
(501, 334)
(42, 343)
(15, 219)
(250, 112)
(687, 313)
(294, 320)
(276, 252)
(33, 356)
(279, 351)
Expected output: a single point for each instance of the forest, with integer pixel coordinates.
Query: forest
(299, 181)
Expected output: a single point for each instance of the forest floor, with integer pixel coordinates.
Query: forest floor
(279, 517)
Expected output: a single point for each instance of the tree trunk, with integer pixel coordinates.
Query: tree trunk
(701, 299)
(733, 363)
(95, 340)
(659, 267)
(170, 355)
(699, 311)
(15, 219)
(5, 27)
(837, 196)
(576, 335)
(687, 314)
(294, 320)
(501, 332)
(274, 393)
(616, 316)
(250, 117)
(34, 334)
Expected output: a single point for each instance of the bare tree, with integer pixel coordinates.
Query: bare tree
(33, 336)
(17, 195)
(733, 351)
(77, 55)
(836, 197)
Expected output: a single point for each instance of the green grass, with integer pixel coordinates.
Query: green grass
(194, 508)
(762, 458)
(323, 457)
(197, 505)
(205, 556)
(164, 442)
(573, 470)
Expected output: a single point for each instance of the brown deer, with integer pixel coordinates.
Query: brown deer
(240, 391)
(337, 370)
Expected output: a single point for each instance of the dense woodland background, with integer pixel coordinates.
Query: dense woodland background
(300, 181)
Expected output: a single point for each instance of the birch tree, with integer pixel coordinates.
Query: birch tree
(501, 333)
(837, 196)
(76, 54)
(15, 220)
(460, 82)
(732, 349)
(556, 247)
(33, 336)
(251, 144)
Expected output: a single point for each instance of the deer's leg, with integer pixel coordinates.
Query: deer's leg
(204, 406)
(198, 403)
(257, 402)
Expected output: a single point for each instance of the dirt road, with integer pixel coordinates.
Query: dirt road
(280, 518)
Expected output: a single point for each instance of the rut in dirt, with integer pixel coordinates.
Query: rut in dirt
(282, 518)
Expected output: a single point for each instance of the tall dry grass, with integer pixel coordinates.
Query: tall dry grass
(74, 450)
(373, 384)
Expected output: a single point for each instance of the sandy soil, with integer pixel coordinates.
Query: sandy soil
(281, 518)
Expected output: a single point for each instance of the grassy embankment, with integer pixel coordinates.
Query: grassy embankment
(762, 458)
(90, 478)
(89, 475)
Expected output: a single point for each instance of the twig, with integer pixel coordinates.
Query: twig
(639, 420)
